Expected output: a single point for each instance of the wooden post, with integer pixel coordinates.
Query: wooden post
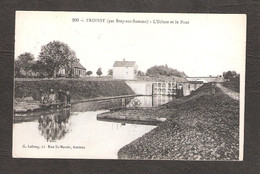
(123, 102)
(152, 88)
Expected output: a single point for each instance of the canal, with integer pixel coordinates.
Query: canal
(76, 132)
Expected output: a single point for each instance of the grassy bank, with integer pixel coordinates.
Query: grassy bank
(80, 89)
(201, 126)
(232, 85)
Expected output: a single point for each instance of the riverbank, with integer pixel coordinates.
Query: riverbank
(80, 89)
(232, 85)
(139, 114)
(202, 126)
(31, 106)
(27, 92)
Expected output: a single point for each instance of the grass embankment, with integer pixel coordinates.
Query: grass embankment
(201, 126)
(79, 89)
(232, 85)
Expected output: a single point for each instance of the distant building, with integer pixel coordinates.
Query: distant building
(207, 79)
(125, 70)
(77, 70)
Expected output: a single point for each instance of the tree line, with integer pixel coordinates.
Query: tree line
(231, 75)
(53, 56)
(163, 70)
(56, 55)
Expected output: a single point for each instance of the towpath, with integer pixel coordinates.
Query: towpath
(229, 92)
(104, 98)
(35, 105)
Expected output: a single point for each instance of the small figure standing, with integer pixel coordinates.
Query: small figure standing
(213, 89)
(52, 96)
(41, 95)
(65, 98)
(68, 96)
(181, 91)
(42, 98)
(60, 96)
(40, 121)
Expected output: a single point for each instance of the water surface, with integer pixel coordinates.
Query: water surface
(76, 132)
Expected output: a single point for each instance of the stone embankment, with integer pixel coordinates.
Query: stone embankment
(139, 114)
(202, 126)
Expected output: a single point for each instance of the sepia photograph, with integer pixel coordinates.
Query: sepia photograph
(129, 86)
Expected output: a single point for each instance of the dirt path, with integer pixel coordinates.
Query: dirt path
(229, 92)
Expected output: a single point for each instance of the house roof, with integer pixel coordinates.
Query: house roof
(124, 64)
(78, 65)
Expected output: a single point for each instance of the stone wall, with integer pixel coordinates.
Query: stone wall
(140, 87)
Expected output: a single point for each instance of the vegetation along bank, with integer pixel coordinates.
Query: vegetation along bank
(80, 89)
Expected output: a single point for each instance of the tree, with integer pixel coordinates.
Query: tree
(230, 75)
(99, 72)
(140, 73)
(88, 73)
(164, 71)
(40, 69)
(56, 55)
(24, 63)
(17, 69)
(110, 72)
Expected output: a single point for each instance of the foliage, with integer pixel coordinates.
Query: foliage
(165, 71)
(232, 85)
(140, 73)
(56, 55)
(231, 75)
(79, 89)
(17, 69)
(40, 69)
(24, 63)
(99, 72)
(110, 72)
(88, 73)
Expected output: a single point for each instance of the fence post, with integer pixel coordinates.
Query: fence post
(123, 102)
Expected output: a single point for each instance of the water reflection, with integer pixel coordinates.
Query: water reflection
(54, 126)
(98, 105)
(101, 139)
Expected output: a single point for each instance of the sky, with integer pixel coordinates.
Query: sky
(203, 45)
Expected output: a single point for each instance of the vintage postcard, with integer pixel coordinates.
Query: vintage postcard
(148, 86)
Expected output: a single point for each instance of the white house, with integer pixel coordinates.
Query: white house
(125, 70)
